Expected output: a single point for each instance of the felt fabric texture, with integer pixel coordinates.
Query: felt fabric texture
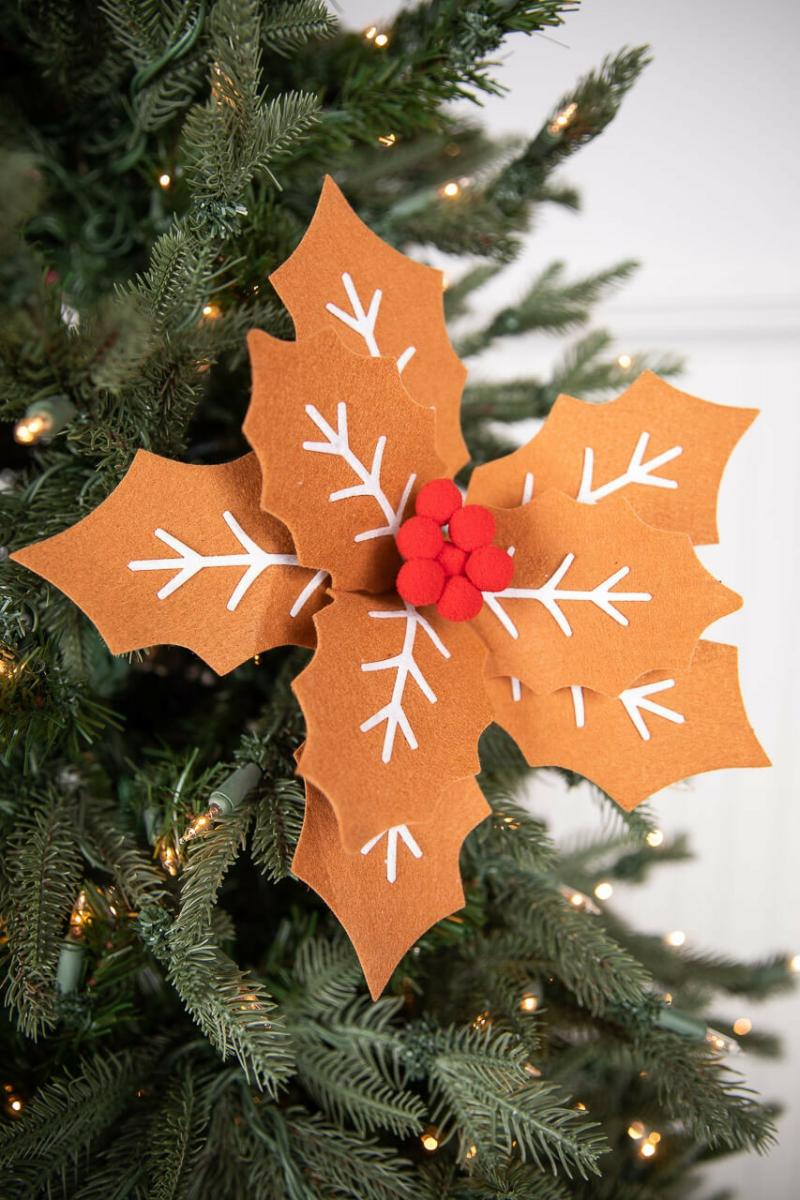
(90, 563)
(438, 500)
(651, 409)
(373, 777)
(420, 581)
(608, 748)
(410, 310)
(320, 495)
(384, 919)
(594, 648)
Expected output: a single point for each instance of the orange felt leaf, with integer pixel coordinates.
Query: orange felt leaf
(394, 705)
(401, 882)
(662, 449)
(342, 276)
(598, 597)
(343, 449)
(661, 730)
(183, 554)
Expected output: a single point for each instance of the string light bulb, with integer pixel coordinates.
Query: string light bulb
(647, 1149)
(742, 1026)
(579, 900)
(12, 1101)
(430, 1139)
(637, 1130)
(211, 312)
(655, 838)
(719, 1043)
(43, 420)
(80, 916)
(387, 139)
(529, 1002)
(167, 856)
(562, 120)
(165, 180)
(604, 890)
(794, 964)
(625, 361)
(675, 938)
(374, 35)
(450, 190)
(483, 1020)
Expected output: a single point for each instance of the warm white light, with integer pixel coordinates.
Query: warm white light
(381, 39)
(211, 311)
(794, 964)
(742, 1026)
(636, 1130)
(604, 890)
(450, 190)
(388, 139)
(529, 1002)
(562, 120)
(31, 429)
(655, 837)
(625, 361)
(647, 1150)
(430, 1140)
(676, 938)
(165, 180)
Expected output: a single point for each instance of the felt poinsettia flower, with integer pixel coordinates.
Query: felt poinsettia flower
(561, 598)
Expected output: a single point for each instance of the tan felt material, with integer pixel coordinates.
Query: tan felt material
(662, 449)
(410, 311)
(383, 919)
(424, 711)
(583, 560)
(90, 563)
(665, 728)
(371, 439)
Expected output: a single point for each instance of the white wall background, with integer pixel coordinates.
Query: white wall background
(699, 178)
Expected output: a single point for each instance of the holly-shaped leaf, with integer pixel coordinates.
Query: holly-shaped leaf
(183, 554)
(598, 597)
(660, 448)
(394, 706)
(343, 450)
(661, 730)
(342, 276)
(397, 884)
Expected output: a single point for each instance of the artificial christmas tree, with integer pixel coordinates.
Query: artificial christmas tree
(183, 1016)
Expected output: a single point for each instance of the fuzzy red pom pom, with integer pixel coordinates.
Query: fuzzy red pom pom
(452, 559)
(460, 600)
(472, 526)
(438, 500)
(490, 568)
(420, 581)
(419, 537)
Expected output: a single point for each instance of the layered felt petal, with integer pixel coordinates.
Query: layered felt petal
(183, 554)
(394, 705)
(660, 448)
(342, 276)
(657, 732)
(343, 450)
(598, 597)
(396, 885)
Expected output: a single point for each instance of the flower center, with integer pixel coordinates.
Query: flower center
(450, 558)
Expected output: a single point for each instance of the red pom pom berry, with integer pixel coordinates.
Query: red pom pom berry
(460, 600)
(490, 568)
(452, 559)
(419, 537)
(421, 581)
(472, 526)
(438, 500)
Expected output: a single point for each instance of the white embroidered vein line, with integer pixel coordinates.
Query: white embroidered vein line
(635, 700)
(527, 496)
(362, 321)
(397, 832)
(551, 597)
(256, 560)
(406, 668)
(638, 471)
(337, 443)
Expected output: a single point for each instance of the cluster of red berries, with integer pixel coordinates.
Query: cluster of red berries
(450, 572)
